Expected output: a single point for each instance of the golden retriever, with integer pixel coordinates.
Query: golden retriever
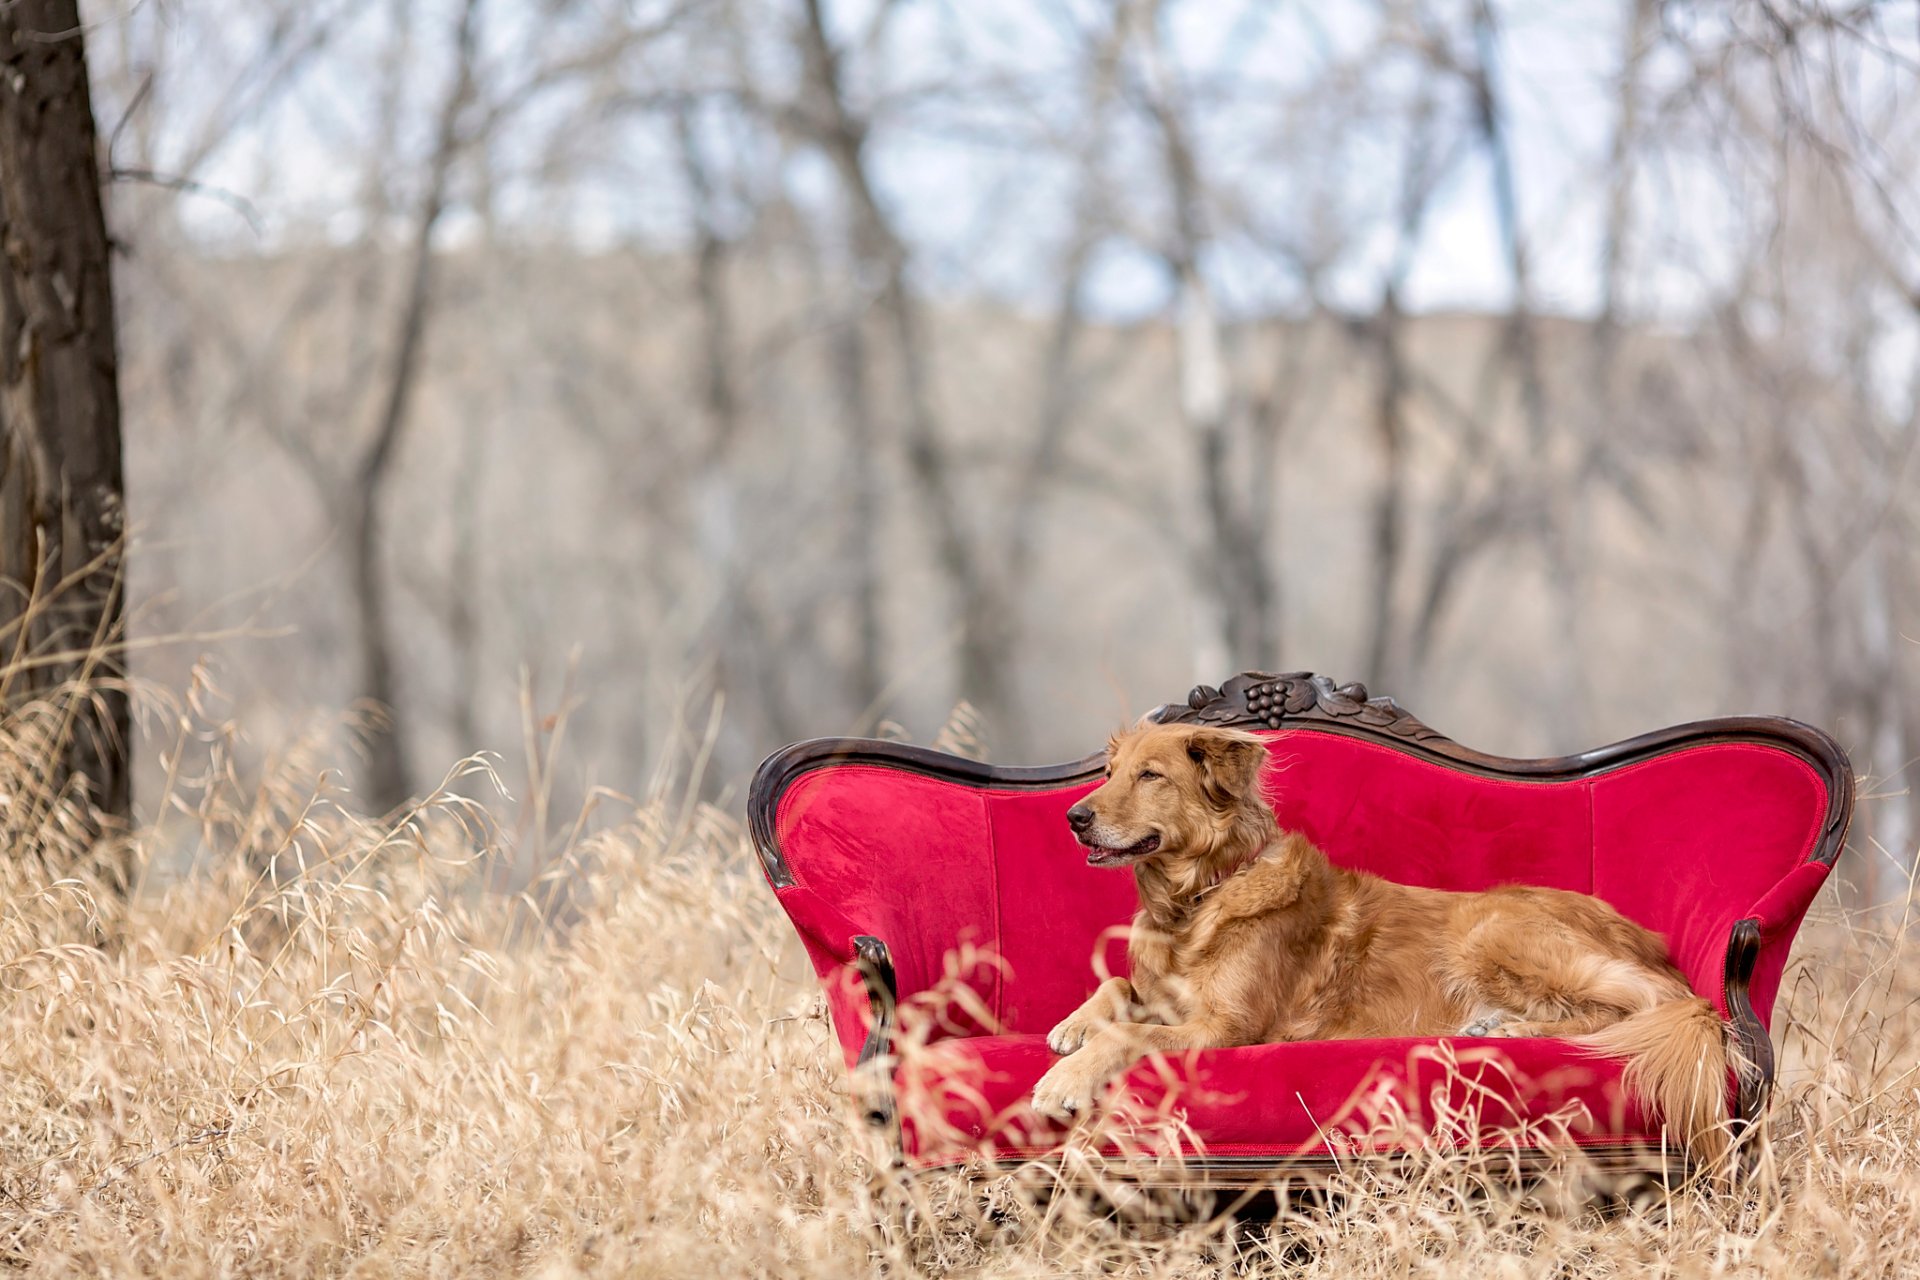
(1248, 935)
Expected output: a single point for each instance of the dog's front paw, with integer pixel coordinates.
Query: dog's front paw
(1515, 1030)
(1062, 1092)
(1492, 1024)
(1069, 1035)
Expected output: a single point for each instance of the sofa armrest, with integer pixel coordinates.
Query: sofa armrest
(1694, 842)
(864, 848)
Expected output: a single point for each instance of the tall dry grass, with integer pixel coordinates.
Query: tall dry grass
(329, 1046)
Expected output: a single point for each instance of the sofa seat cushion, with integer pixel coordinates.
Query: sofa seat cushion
(965, 1097)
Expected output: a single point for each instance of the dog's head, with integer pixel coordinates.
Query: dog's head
(1172, 791)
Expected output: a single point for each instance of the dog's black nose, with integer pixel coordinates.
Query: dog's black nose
(1079, 816)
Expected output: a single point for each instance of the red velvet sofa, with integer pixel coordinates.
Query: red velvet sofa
(900, 866)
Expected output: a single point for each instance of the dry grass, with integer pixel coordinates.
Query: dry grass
(343, 1048)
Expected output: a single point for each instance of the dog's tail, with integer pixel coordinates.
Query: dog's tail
(1678, 1059)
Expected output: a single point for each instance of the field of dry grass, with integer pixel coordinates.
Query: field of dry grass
(330, 1047)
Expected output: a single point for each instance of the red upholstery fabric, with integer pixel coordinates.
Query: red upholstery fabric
(905, 858)
(1376, 809)
(1689, 843)
(1686, 843)
(1055, 910)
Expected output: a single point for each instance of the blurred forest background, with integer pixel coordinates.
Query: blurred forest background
(705, 375)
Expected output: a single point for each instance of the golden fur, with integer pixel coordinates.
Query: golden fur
(1248, 935)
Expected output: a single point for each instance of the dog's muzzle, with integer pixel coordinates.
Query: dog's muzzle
(1105, 855)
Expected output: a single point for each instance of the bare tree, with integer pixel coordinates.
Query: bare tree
(62, 513)
(1235, 562)
(978, 608)
(389, 780)
(982, 586)
(387, 351)
(1422, 168)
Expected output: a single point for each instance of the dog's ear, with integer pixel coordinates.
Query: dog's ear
(1229, 762)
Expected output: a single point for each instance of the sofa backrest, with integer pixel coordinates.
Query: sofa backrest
(1686, 841)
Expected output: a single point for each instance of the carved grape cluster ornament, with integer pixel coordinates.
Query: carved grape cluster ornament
(1259, 700)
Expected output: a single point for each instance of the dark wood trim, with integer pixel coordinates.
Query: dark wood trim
(1302, 700)
(1743, 952)
(873, 1066)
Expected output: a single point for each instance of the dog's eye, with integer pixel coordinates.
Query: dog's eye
(1146, 775)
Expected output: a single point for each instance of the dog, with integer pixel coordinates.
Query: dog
(1248, 935)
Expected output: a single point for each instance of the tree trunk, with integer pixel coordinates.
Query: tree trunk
(849, 354)
(1235, 569)
(388, 779)
(61, 490)
(1390, 498)
(1234, 564)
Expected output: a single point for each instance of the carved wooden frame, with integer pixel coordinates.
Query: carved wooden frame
(1302, 700)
